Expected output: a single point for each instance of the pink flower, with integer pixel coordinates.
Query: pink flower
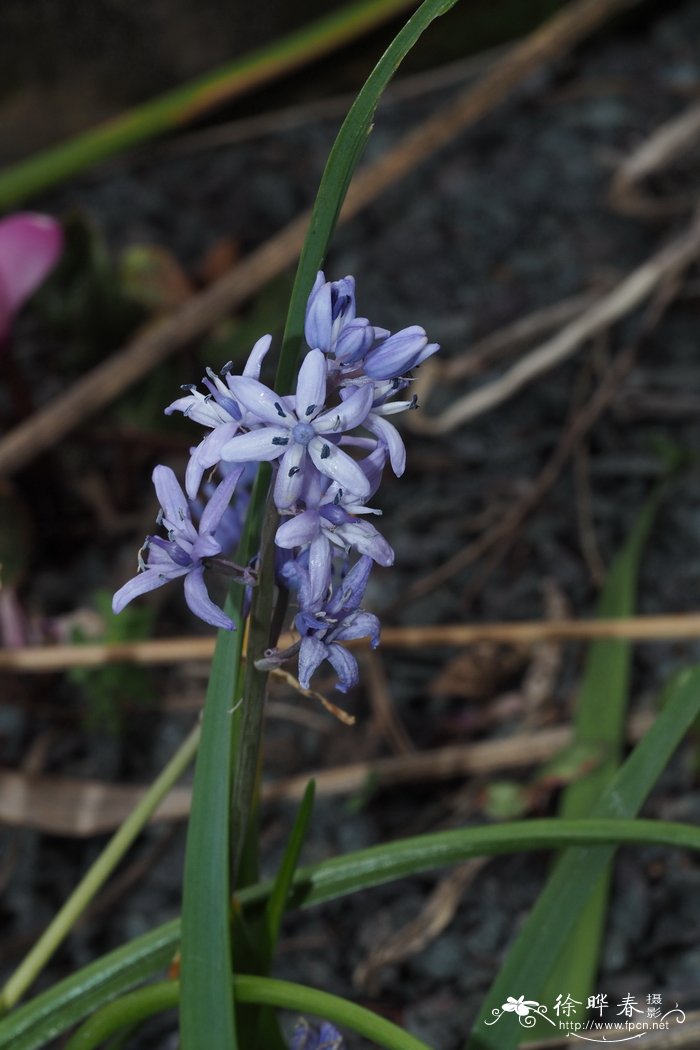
(30, 245)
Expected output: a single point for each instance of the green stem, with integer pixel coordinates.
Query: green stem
(194, 99)
(259, 991)
(97, 875)
(250, 716)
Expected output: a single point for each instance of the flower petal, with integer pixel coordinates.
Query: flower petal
(311, 386)
(312, 653)
(363, 537)
(290, 477)
(298, 530)
(319, 315)
(172, 499)
(207, 454)
(264, 404)
(256, 356)
(349, 414)
(391, 439)
(30, 245)
(349, 594)
(319, 571)
(197, 597)
(345, 666)
(399, 353)
(336, 464)
(143, 582)
(257, 445)
(218, 502)
(359, 625)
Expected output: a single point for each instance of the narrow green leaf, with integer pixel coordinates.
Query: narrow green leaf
(192, 100)
(342, 161)
(281, 887)
(57, 930)
(206, 943)
(534, 955)
(65, 1004)
(258, 991)
(600, 723)
(287, 996)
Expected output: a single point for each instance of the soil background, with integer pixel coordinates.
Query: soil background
(514, 215)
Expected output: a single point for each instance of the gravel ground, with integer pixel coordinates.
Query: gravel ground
(513, 216)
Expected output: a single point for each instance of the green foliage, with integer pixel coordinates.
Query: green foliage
(599, 724)
(71, 1000)
(534, 956)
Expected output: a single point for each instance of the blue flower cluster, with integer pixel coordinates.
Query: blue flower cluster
(346, 391)
(306, 1037)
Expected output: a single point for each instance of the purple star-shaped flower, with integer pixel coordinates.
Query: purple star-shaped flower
(323, 627)
(183, 553)
(218, 410)
(297, 430)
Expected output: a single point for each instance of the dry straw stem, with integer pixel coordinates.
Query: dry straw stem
(168, 651)
(664, 146)
(612, 307)
(162, 338)
(54, 658)
(77, 807)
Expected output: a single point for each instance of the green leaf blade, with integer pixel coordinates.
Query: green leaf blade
(534, 954)
(207, 963)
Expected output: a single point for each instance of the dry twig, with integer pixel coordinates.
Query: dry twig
(609, 309)
(76, 807)
(668, 142)
(435, 915)
(168, 651)
(386, 719)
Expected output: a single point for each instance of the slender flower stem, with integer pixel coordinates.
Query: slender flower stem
(96, 876)
(250, 716)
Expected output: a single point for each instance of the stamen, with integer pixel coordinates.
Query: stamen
(280, 411)
(293, 471)
(226, 369)
(280, 441)
(310, 410)
(325, 451)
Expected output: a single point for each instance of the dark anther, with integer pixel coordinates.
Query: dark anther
(338, 496)
(280, 441)
(280, 411)
(293, 471)
(310, 410)
(325, 451)
(414, 401)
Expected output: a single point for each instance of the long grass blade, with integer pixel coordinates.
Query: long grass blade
(206, 943)
(533, 957)
(259, 991)
(68, 1002)
(599, 723)
(193, 100)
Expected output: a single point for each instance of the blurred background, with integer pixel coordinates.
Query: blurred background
(503, 226)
